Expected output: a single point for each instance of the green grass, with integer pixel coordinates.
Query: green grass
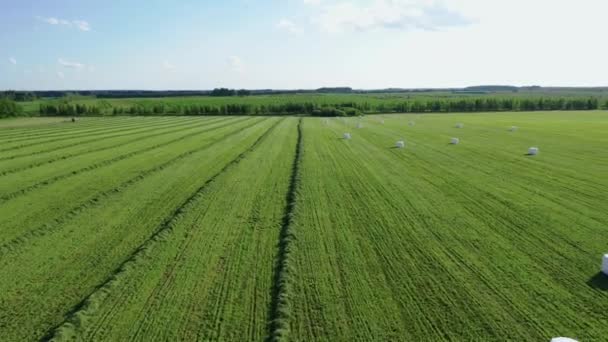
(240, 228)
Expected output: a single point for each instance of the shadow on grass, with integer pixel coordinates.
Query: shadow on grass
(599, 282)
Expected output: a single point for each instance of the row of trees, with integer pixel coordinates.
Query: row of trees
(67, 109)
(333, 109)
(229, 92)
(19, 96)
(8, 108)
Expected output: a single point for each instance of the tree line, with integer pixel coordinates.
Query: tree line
(332, 109)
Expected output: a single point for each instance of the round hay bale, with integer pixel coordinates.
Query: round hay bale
(454, 141)
(605, 264)
(532, 151)
(513, 129)
(563, 339)
(411, 123)
(460, 125)
(346, 136)
(400, 144)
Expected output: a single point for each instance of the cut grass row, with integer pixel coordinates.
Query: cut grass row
(209, 277)
(19, 183)
(24, 139)
(66, 264)
(78, 149)
(426, 243)
(72, 194)
(68, 140)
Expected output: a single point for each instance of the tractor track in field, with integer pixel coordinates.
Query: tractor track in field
(99, 137)
(160, 233)
(279, 315)
(10, 196)
(48, 227)
(68, 156)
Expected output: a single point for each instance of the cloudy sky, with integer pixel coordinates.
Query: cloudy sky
(199, 44)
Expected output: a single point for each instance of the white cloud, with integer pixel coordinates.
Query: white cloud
(388, 14)
(168, 65)
(312, 2)
(81, 25)
(60, 75)
(235, 63)
(289, 26)
(13, 60)
(71, 65)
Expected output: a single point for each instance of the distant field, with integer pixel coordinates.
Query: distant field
(255, 228)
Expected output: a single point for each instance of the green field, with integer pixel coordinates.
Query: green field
(276, 228)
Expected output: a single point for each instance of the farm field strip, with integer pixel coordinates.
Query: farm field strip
(42, 124)
(101, 238)
(61, 124)
(503, 158)
(50, 157)
(450, 237)
(83, 124)
(21, 183)
(533, 176)
(21, 223)
(27, 140)
(251, 228)
(213, 266)
(52, 145)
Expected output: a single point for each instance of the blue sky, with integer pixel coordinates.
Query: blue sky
(188, 44)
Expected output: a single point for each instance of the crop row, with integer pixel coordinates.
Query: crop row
(59, 263)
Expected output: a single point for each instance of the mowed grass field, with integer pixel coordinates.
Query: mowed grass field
(268, 228)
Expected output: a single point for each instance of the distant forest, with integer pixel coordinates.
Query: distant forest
(330, 109)
(320, 102)
(223, 92)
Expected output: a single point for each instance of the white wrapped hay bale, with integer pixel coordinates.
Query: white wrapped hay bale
(605, 264)
(359, 125)
(346, 136)
(382, 122)
(411, 123)
(513, 129)
(454, 141)
(563, 339)
(459, 125)
(532, 151)
(400, 144)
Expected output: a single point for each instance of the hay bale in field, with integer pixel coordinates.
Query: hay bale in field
(605, 264)
(411, 123)
(346, 136)
(513, 129)
(532, 151)
(73, 119)
(382, 122)
(563, 339)
(359, 125)
(460, 125)
(454, 141)
(400, 144)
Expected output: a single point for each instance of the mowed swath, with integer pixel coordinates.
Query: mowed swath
(211, 277)
(193, 228)
(66, 261)
(438, 242)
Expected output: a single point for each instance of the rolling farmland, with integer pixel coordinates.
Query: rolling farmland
(256, 228)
